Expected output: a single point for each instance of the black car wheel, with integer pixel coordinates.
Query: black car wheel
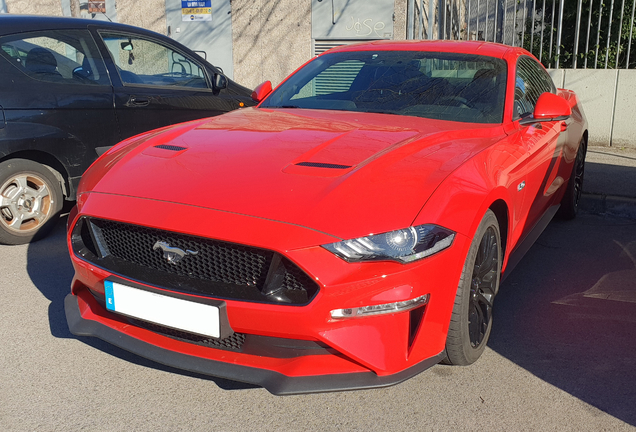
(570, 201)
(471, 320)
(30, 197)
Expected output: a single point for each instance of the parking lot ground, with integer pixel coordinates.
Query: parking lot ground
(610, 181)
(561, 357)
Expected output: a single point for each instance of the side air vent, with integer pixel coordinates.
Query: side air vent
(170, 147)
(323, 165)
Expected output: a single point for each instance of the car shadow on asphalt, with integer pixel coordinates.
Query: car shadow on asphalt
(567, 313)
(50, 270)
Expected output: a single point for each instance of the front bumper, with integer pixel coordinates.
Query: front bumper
(276, 383)
(363, 352)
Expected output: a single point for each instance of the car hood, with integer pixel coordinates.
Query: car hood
(347, 174)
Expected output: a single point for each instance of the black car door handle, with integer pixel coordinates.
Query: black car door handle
(138, 101)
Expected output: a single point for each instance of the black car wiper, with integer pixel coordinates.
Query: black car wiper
(287, 106)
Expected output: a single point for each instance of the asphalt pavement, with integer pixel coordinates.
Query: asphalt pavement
(610, 181)
(560, 358)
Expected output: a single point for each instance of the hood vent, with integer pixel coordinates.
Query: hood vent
(323, 165)
(170, 147)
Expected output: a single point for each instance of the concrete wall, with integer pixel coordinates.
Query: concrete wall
(608, 97)
(271, 38)
(34, 7)
(149, 14)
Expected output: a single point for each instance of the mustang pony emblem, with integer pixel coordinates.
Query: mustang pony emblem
(172, 254)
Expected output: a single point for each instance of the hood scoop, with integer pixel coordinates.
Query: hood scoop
(170, 147)
(323, 165)
(165, 150)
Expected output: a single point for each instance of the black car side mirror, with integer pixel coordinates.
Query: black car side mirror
(220, 81)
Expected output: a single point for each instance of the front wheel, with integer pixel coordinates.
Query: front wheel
(471, 320)
(30, 197)
(570, 201)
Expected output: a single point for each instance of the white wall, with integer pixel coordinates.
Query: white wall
(608, 97)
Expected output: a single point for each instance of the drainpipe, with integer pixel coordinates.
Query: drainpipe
(410, 19)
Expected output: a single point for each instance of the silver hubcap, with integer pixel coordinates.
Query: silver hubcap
(25, 202)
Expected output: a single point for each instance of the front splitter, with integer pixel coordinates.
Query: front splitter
(274, 382)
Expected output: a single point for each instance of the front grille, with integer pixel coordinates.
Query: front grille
(191, 264)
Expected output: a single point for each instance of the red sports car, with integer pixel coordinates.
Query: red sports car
(349, 232)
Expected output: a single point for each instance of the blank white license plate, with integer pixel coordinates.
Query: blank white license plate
(172, 312)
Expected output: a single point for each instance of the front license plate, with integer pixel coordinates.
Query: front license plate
(172, 312)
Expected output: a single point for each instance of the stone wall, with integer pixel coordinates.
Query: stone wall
(271, 38)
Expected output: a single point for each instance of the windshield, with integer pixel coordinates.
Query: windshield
(445, 86)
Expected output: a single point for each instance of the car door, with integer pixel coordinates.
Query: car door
(158, 84)
(57, 97)
(536, 178)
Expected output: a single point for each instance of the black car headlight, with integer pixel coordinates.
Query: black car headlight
(404, 245)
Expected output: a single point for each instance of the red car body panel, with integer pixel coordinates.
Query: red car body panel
(236, 178)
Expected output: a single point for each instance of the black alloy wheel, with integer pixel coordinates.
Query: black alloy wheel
(572, 197)
(483, 287)
(471, 319)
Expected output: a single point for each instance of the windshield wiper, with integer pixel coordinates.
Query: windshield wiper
(286, 106)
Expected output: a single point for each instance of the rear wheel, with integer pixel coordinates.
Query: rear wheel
(30, 197)
(570, 201)
(471, 320)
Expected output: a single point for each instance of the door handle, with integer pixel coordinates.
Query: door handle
(138, 101)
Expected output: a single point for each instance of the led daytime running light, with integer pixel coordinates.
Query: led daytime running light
(386, 308)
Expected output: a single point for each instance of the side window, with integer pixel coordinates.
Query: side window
(144, 62)
(63, 56)
(531, 82)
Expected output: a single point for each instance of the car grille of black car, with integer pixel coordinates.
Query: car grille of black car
(209, 267)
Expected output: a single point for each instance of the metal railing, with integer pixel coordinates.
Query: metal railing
(544, 27)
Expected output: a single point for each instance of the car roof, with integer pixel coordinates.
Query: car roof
(467, 47)
(10, 24)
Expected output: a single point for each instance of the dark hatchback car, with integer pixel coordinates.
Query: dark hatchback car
(72, 88)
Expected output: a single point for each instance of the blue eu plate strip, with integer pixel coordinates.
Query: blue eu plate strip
(110, 298)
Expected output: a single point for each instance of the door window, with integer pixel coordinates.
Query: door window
(62, 56)
(531, 82)
(144, 62)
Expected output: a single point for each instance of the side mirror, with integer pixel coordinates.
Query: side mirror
(220, 81)
(262, 91)
(127, 46)
(551, 107)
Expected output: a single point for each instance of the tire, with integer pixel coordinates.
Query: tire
(30, 199)
(570, 201)
(471, 320)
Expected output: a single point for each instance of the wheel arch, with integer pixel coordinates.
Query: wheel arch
(49, 161)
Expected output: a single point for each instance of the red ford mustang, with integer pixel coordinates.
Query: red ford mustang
(349, 232)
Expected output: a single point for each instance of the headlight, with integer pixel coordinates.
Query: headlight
(405, 245)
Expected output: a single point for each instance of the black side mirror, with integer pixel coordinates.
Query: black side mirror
(220, 81)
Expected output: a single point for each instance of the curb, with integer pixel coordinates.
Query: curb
(609, 204)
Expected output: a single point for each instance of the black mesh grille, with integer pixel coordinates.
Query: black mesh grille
(323, 165)
(199, 265)
(234, 342)
(214, 261)
(170, 147)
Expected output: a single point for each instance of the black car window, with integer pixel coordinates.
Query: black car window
(144, 62)
(62, 56)
(531, 81)
(436, 85)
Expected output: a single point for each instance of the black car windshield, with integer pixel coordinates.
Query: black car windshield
(435, 85)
